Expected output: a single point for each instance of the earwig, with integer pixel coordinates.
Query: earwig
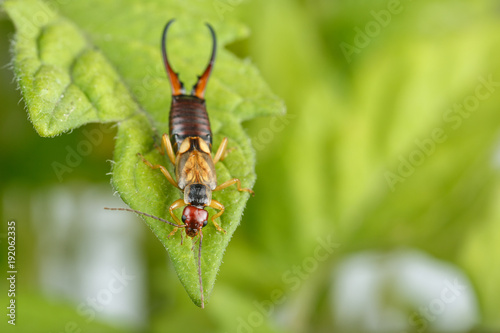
(189, 149)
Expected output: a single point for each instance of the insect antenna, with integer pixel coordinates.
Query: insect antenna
(148, 215)
(199, 271)
(199, 87)
(173, 77)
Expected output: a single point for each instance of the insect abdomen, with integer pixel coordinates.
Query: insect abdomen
(188, 117)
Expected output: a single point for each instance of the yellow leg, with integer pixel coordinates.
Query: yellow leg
(162, 168)
(219, 156)
(159, 148)
(179, 203)
(168, 147)
(173, 233)
(217, 205)
(231, 182)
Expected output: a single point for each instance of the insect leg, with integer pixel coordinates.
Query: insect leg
(219, 156)
(168, 147)
(199, 271)
(231, 182)
(222, 152)
(162, 168)
(177, 204)
(157, 147)
(217, 205)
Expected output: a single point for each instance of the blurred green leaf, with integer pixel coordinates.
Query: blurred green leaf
(477, 255)
(68, 319)
(78, 63)
(356, 121)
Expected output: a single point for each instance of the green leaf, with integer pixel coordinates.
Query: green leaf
(79, 62)
(480, 247)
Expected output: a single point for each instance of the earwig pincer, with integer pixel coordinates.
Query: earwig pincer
(189, 149)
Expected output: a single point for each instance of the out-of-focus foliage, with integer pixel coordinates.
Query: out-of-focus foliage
(394, 146)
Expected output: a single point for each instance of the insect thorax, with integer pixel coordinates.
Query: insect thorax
(198, 195)
(195, 171)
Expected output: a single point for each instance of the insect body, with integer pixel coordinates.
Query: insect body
(189, 149)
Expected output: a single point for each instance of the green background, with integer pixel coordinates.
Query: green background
(321, 170)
